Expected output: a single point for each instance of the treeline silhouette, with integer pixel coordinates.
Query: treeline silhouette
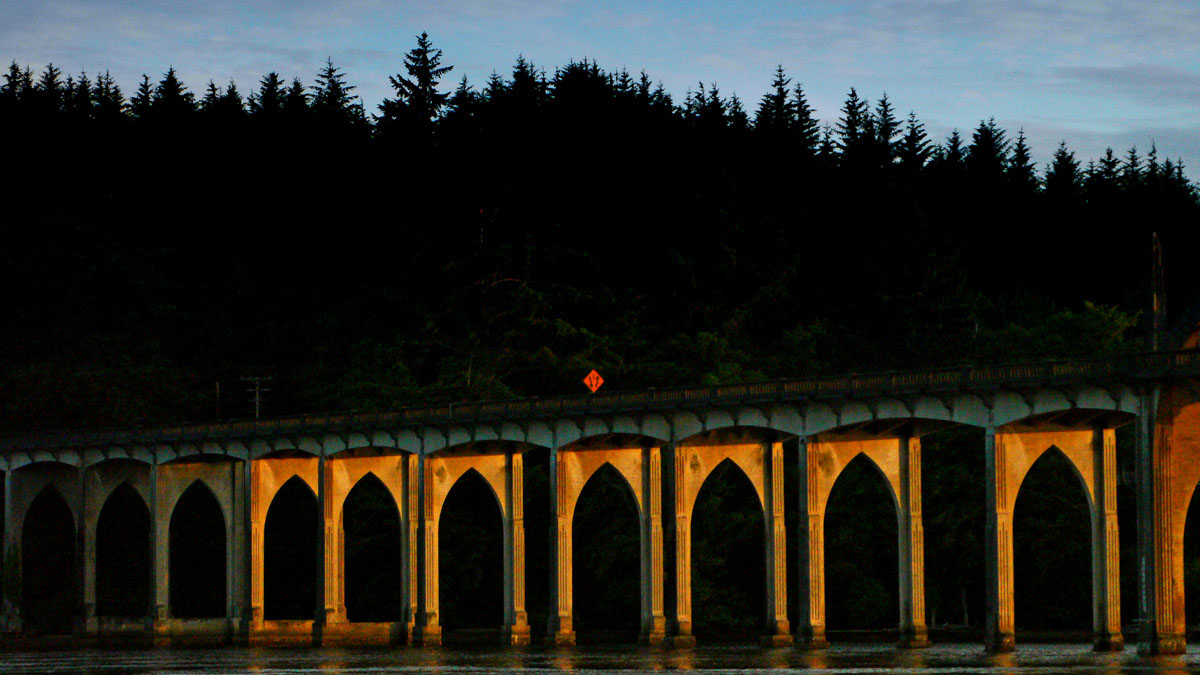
(504, 238)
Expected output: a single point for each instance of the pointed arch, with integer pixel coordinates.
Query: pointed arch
(1052, 584)
(611, 474)
(123, 554)
(861, 549)
(469, 476)
(196, 549)
(49, 588)
(290, 533)
(470, 555)
(1191, 557)
(372, 552)
(728, 556)
(606, 554)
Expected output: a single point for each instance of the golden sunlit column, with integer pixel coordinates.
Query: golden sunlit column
(778, 630)
(654, 622)
(411, 571)
(683, 557)
(429, 632)
(160, 561)
(1160, 554)
(999, 635)
(913, 632)
(516, 620)
(561, 629)
(810, 568)
(1106, 550)
(256, 546)
(327, 575)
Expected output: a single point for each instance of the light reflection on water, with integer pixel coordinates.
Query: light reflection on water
(853, 658)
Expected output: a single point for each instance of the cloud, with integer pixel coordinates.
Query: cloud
(1152, 83)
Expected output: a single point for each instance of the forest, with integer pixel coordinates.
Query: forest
(501, 239)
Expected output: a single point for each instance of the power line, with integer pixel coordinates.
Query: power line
(258, 391)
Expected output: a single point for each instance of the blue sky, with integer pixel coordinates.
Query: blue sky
(1092, 73)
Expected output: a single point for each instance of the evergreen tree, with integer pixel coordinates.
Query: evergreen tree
(419, 91)
(914, 148)
(1131, 172)
(854, 127)
(295, 101)
(1063, 179)
(79, 101)
(808, 129)
(331, 99)
(110, 102)
(1021, 172)
(49, 91)
(172, 100)
(140, 102)
(887, 127)
(268, 100)
(987, 155)
(776, 113)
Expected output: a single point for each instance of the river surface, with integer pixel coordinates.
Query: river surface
(854, 658)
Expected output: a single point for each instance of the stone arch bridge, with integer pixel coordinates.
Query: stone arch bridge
(664, 443)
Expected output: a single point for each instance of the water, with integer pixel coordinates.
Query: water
(853, 658)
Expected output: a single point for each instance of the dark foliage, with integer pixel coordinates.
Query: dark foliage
(860, 550)
(728, 564)
(470, 555)
(48, 595)
(374, 562)
(607, 556)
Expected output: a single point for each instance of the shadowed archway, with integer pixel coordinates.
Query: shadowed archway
(606, 545)
(728, 560)
(197, 555)
(123, 555)
(861, 550)
(471, 556)
(49, 579)
(290, 553)
(1052, 540)
(374, 562)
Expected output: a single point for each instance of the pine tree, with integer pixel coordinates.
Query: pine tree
(854, 126)
(1132, 177)
(1020, 171)
(140, 102)
(295, 100)
(775, 111)
(110, 103)
(1063, 179)
(988, 155)
(914, 148)
(808, 129)
(79, 98)
(171, 99)
(886, 128)
(49, 91)
(268, 100)
(420, 94)
(331, 99)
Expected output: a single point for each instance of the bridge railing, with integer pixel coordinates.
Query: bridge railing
(1133, 367)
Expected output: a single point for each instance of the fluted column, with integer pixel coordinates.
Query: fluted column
(160, 524)
(1106, 550)
(999, 636)
(429, 631)
(913, 632)
(257, 515)
(810, 567)
(683, 556)
(516, 620)
(561, 630)
(777, 629)
(654, 623)
(12, 554)
(412, 531)
(85, 561)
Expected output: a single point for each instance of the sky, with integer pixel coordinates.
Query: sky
(1093, 73)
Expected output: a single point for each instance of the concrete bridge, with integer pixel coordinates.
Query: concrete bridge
(665, 444)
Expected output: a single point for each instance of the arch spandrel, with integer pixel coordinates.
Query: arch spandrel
(346, 473)
(272, 473)
(827, 459)
(576, 467)
(448, 469)
(1023, 449)
(697, 463)
(31, 479)
(103, 479)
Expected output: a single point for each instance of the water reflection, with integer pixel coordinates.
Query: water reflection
(633, 660)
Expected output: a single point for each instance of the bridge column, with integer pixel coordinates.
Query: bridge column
(428, 631)
(256, 553)
(1106, 551)
(778, 630)
(683, 556)
(561, 628)
(516, 620)
(810, 568)
(412, 570)
(160, 560)
(999, 636)
(12, 554)
(913, 632)
(654, 622)
(325, 610)
(85, 556)
(1160, 537)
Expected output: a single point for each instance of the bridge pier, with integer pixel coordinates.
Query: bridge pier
(913, 631)
(1000, 633)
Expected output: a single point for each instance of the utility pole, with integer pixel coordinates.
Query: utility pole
(258, 391)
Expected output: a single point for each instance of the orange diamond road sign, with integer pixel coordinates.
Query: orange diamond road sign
(593, 381)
